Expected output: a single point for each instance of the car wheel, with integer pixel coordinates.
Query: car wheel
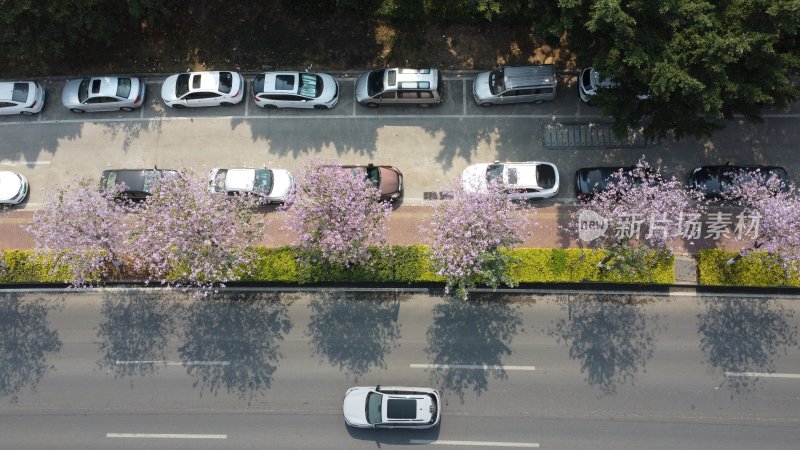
(76, 110)
(270, 107)
(320, 107)
(372, 105)
(178, 106)
(26, 113)
(226, 104)
(126, 109)
(486, 104)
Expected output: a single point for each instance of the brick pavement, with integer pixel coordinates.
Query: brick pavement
(546, 229)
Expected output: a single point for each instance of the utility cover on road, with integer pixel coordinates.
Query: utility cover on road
(588, 135)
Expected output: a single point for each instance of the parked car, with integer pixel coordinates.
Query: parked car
(392, 407)
(591, 81)
(295, 90)
(522, 180)
(714, 182)
(199, 89)
(21, 97)
(271, 185)
(399, 86)
(111, 93)
(139, 183)
(388, 179)
(592, 180)
(13, 188)
(515, 85)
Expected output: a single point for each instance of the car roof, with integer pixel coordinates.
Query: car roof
(103, 86)
(240, 179)
(209, 81)
(274, 84)
(408, 78)
(525, 76)
(133, 178)
(7, 89)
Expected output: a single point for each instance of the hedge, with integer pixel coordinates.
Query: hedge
(394, 264)
(717, 267)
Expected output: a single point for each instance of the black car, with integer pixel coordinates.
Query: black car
(592, 180)
(138, 183)
(715, 181)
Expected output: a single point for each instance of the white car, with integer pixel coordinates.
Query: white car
(103, 94)
(271, 185)
(392, 407)
(295, 90)
(522, 180)
(591, 81)
(13, 188)
(199, 89)
(21, 97)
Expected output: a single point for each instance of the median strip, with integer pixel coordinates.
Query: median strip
(476, 443)
(471, 366)
(166, 436)
(763, 375)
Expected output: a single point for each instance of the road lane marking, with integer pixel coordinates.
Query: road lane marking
(166, 436)
(174, 363)
(471, 366)
(763, 375)
(476, 443)
(6, 162)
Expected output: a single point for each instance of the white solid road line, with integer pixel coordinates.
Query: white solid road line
(23, 163)
(763, 375)
(476, 443)
(174, 363)
(470, 366)
(166, 436)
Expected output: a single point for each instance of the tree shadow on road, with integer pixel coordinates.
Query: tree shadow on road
(611, 339)
(231, 342)
(26, 341)
(476, 332)
(354, 332)
(744, 335)
(136, 329)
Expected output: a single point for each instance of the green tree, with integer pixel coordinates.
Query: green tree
(700, 61)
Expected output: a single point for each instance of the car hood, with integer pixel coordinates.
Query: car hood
(282, 183)
(361, 87)
(330, 89)
(10, 185)
(480, 87)
(354, 406)
(390, 181)
(473, 179)
(69, 96)
(168, 88)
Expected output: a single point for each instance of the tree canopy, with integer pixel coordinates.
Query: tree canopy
(699, 61)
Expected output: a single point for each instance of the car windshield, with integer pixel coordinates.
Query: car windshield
(375, 83)
(182, 85)
(374, 401)
(83, 90)
(225, 82)
(20, 93)
(310, 85)
(496, 81)
(263, 181)
(374, 175)
(150, 178)
(123, 87)
(494, 173)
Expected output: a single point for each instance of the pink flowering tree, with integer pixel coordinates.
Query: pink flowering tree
(84, 229)
(769, 215)
(469, 232)
(186, 235)
(636, 218)
(337, 215)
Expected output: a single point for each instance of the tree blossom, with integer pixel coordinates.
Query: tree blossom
(184, 233)
(84, 228)
(337, 214)
(468, 231)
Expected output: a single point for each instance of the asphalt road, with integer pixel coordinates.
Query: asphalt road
(431, 146)
(117, 369)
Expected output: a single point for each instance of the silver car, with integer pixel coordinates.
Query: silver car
(200, 89)
(295, 90)
(113, 93)
(21, 97)
(523, 84)
(399, 86)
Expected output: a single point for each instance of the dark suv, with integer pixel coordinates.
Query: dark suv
(138, 183)
(715, 181)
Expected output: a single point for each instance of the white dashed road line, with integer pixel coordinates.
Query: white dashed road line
(166, 436)
(471, 367)
(475, 443)
(763, 375)
(173, 363)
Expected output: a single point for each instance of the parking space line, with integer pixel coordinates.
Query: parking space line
(471, 367)
(166, 436)
(763, 375)
(474, 443)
